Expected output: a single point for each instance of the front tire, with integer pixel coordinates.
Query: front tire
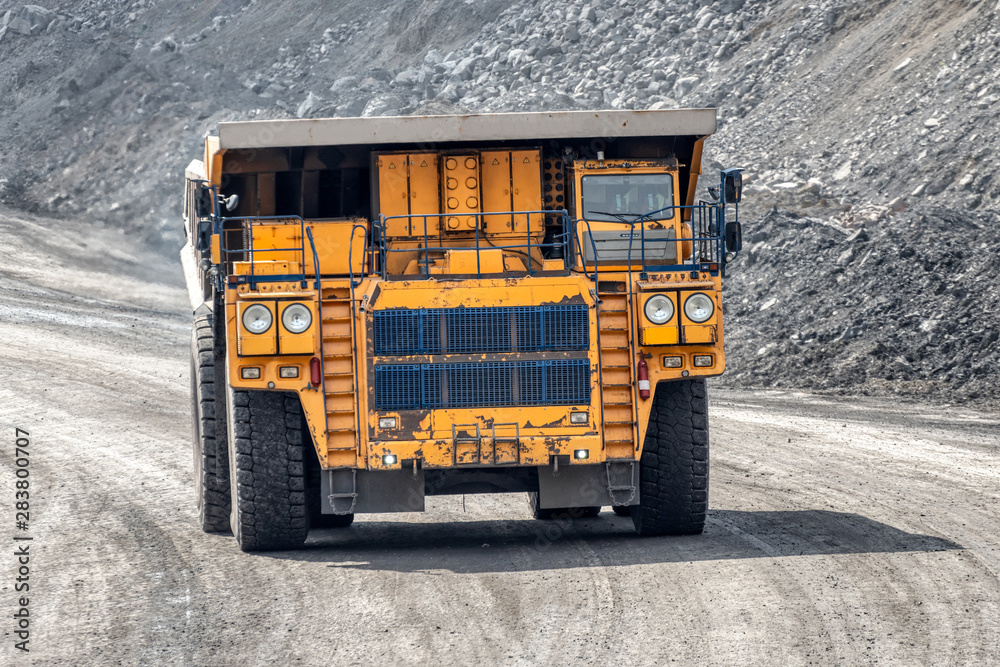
(268, 471)
(210, 453)
(673, 470)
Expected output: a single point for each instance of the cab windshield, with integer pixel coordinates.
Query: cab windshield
(627, 194)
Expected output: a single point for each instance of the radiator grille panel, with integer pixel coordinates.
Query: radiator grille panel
(403, 332)
(490, 384)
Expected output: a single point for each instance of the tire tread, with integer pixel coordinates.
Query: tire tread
(673, 469)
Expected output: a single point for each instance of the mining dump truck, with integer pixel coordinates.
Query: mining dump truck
(387, 309)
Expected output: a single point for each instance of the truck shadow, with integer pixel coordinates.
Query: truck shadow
(527, 545)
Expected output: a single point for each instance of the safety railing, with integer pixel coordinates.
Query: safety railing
(246, 252)
(433, 240)
(707, 242)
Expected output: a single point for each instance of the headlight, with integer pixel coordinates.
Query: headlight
(296, 318)
(659, 309)
(257, 319)
(699, 307)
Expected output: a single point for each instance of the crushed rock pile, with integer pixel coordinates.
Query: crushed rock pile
(905, 303)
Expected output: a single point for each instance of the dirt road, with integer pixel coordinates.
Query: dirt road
(840, 532)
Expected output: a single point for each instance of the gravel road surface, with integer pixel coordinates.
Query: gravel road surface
(840, 532)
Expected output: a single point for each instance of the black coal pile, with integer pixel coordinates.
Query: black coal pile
(905, 303)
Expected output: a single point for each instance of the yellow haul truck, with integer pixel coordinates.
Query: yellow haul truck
(391, 308)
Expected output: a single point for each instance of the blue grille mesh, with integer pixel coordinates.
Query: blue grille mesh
(397, 386)
(401, 332)
(489, 384)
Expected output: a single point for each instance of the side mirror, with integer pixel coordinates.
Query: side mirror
(231, 202)
(734, 186)
(203, 203)
(734, 236)
(204, 239)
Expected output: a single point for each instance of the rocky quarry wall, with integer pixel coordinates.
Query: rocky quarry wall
(867, 130)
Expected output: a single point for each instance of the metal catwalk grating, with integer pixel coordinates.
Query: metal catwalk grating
(402, 332)
(489, 384)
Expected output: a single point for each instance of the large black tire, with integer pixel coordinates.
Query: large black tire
(267, 467)
(559, 512)
(211, 464)
(313, 498)
(673, 471)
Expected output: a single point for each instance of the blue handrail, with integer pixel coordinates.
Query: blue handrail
(251, 252)
(708, 222)
(424, 252)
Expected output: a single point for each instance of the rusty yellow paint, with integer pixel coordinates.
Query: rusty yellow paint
(442, 453)
(478, 293)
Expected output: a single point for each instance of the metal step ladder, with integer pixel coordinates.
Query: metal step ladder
(617, 376)
(339, 380)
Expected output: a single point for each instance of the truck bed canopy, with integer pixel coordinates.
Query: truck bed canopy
(491, 127)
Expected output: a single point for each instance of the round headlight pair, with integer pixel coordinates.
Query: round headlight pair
(698, 307)
(296, 318)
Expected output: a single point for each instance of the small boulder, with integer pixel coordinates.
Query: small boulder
(684, 85)
(30, 20)
(308, 105)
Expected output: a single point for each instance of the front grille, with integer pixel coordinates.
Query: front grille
(403, 332)
(488, 384)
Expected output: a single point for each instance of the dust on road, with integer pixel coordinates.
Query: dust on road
(840, 532)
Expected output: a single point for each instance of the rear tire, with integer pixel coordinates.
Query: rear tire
(673, 470)
(268, 471)
(210, 455)
(559, 512)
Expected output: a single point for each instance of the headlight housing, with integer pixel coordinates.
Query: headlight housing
(699, 307)
(296, 318)
(257, 319)
(659, 309)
